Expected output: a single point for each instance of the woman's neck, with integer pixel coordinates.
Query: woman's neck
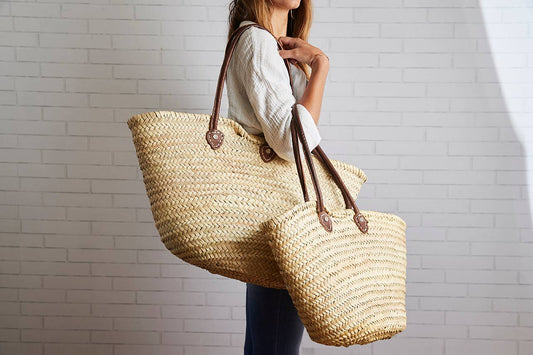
(279, 21)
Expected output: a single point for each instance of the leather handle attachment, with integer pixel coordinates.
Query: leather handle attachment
(214, 136)
(358, 217)
(298, 136)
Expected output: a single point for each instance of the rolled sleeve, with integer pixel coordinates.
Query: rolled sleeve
(266, 82)
(312, 135)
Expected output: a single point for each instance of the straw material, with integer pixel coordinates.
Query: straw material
(347, 286)
(208, 204)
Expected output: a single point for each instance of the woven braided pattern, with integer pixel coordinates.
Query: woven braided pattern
(208, 204)
(348, 286)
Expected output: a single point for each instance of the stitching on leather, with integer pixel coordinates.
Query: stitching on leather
(215, 143)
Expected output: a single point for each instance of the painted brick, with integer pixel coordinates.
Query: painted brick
(432, 99)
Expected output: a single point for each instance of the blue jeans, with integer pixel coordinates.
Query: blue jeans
(273, 326)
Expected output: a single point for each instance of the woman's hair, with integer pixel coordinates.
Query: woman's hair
(259, 11)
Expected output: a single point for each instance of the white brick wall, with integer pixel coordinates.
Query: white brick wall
(432, 98)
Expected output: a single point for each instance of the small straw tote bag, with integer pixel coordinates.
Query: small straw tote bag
(211, 184)
(344, 268)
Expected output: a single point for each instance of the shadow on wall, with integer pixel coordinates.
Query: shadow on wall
(470, 278)
(510, 70)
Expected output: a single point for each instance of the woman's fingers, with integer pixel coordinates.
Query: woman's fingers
(287, 53)
(289, 42)
(294, 55)
(297, 49)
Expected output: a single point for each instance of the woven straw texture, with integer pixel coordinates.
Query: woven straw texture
(348, 286)
(208, 204)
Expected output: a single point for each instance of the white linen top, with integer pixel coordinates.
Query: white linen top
(260, 96)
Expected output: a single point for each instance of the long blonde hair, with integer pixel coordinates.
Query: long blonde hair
(259, 11)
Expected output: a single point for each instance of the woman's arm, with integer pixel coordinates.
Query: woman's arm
(314, 91)
(265, 80)
(298, 49)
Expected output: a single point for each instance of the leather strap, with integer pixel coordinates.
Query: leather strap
(214, 136)
(297, 131)
(358, 217)
(298, 159)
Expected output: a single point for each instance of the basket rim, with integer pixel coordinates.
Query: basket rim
(278, 220)
(237, 127)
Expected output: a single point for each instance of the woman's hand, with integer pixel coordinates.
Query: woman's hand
(296, 49)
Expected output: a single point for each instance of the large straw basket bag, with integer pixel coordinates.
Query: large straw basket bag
(211, 184)
(344, 268)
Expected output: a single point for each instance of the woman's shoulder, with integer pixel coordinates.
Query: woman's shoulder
(260, 48)
(258, 37)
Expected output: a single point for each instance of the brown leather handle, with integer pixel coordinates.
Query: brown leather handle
(358, 217)
(214, 136)
(297, 133)
(297, 158)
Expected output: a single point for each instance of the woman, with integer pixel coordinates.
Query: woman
(260, 98)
